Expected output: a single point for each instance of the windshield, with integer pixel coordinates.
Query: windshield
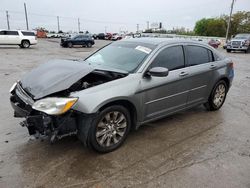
(242, 36)
(126, 56)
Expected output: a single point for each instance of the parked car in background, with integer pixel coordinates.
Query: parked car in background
(100, 36)
(116, 36)
(120, 87)
(241, 42)
(17, 37)
(108, 36)
(82, 40)
(214, 43)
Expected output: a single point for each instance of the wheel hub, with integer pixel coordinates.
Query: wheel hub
(111, 129)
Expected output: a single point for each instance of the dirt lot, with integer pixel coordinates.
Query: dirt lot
(195, 148)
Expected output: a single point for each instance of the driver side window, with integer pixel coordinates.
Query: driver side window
(171, 58)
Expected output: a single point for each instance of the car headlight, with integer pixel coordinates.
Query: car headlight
(13, 87)
(54, 105)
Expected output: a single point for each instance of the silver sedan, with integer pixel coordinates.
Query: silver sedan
(120, 87)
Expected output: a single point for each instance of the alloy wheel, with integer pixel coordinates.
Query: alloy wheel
(219, 95)
(111, 129)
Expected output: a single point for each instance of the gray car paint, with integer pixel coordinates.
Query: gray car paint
(54, 76)
(156, 97)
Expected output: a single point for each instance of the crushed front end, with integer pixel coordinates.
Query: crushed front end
(41, 124)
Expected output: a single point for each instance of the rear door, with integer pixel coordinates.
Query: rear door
(78, 40)
(200, 67)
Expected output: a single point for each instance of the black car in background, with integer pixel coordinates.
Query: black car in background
(83, 40)
(101, 36)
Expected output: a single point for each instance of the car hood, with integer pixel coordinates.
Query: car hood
(58, 75)
(54, 76)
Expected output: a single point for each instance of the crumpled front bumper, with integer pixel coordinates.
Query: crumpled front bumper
(39, 123)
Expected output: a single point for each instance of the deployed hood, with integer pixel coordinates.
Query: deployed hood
(54, 76)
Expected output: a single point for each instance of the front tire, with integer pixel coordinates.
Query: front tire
(109, 129)
(228, 50)
(217, 96)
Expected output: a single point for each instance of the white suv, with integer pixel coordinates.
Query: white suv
(15, 37)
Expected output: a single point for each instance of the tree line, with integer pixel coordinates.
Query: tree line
(240, 23)
(217, 26)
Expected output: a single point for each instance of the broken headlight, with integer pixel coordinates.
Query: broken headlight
(54, 105)
(13, 87)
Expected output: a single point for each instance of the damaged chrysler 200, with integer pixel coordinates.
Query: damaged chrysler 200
(120, 87)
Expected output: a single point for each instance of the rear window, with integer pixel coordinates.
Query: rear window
(26, 33)
(11, 33)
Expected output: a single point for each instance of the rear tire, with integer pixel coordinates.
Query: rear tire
(109, 129)
(217, 96)
(25, 44)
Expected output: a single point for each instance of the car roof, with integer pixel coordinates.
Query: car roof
(17, 30)
(163, 41)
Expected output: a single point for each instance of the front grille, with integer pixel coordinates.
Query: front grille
(23, 95)
(236, 43)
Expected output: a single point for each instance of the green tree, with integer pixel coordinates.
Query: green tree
(240, 22)
(210, 27)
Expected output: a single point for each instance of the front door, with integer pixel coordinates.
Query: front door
(165, 95)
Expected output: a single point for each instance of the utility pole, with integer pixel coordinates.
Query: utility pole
(79, 26)
(26, 17)
(8, 22)
(58, 24)
(147, 25)
(229, 20)
(137, 28)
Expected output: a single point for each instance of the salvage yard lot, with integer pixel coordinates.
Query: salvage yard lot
(195, 148)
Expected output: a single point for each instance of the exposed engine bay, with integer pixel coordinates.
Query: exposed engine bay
(95, 78)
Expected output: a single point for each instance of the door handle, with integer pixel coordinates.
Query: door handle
(183, 74)
(213, 66)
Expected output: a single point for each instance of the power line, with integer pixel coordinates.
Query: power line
(73, 18)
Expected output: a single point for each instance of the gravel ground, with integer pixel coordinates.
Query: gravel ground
(194, 148)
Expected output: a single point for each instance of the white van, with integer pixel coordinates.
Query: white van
(17, 37)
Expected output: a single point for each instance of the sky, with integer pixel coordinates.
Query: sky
(113, 15)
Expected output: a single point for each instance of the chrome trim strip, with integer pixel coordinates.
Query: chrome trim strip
(23, 95)
(198, 88)
(156, 100)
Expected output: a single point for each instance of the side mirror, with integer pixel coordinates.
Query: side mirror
(158, 72)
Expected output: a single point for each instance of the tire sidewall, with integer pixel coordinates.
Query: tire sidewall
(25, 41)
(211, 98)
(92, 132)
